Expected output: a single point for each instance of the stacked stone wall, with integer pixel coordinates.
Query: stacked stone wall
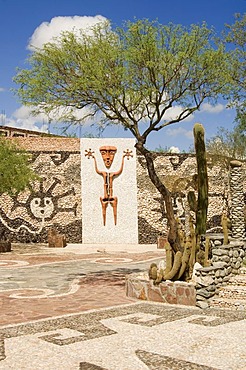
(237, 200)
(227, 261)
(56, 200)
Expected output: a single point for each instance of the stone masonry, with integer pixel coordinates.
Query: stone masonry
(227, 261)
(237, 200)
(57, 201)
(206, 283)
(140, 287)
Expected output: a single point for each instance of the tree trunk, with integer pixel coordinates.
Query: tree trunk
(173, 237)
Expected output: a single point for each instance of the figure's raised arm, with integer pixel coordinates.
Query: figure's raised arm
(127, 154)
(90, 154)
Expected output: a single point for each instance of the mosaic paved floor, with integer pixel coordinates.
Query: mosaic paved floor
(136, 336)
(44, 283)
(70, 312)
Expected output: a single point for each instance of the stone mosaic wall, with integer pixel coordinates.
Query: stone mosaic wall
(177, 172)
(56, 200)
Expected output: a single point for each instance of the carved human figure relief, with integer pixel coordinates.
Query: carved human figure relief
(108, 154)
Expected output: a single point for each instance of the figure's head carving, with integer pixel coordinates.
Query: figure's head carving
(108, 153)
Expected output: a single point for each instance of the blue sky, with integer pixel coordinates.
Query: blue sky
(19, 19)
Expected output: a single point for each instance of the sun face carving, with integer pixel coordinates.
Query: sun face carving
(43, 204)
(42, 208)
(53, 200)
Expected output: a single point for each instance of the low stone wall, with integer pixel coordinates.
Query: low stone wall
(208, 280)
(178, 292)
(232, 254)
(227, 261)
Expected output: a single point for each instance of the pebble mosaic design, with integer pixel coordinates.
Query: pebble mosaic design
(70, 331)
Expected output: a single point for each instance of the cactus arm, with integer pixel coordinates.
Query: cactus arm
(207, 246)
(176, 266)
(193, 247)
(159, 277)
(192, 201)
(169, 258)
(153, 271)
(185, 258)
(180, 233)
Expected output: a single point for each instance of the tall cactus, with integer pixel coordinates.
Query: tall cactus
(202, 180)
(181, 266)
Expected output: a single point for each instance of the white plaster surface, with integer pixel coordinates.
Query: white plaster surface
(124, 188)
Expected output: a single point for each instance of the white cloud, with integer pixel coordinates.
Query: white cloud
(174, 112)
(208, 108)
(22, 118)
(49, 30)
(174, 149)
(180, 131)
(2, 89)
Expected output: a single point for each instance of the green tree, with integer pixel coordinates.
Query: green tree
(228, 144)
(236, 38)
(15, 171)
(133, 76)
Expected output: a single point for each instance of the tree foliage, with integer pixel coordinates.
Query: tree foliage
(228, 143)
(136, 76)
(131, 75)
(236, 37)
(15, 171)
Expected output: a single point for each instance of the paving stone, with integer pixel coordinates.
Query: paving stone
(69, 311)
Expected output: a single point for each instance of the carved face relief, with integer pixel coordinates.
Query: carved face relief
(42, 208)
(108, 153)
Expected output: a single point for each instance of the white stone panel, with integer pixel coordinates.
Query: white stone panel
(124, 188)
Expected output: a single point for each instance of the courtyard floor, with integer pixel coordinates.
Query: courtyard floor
(66, 309)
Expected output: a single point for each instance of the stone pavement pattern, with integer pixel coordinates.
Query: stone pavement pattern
(46, 282)
(64, 310)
